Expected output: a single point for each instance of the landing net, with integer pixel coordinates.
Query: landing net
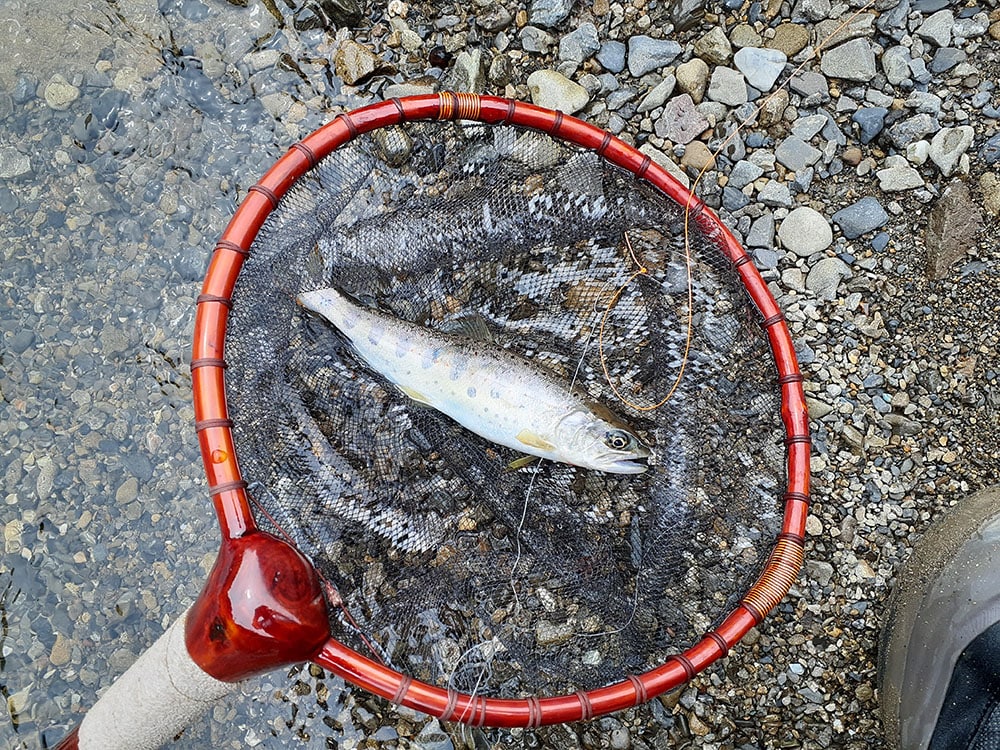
(441, 561)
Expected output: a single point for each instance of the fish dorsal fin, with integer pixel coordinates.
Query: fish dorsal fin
(471, 326)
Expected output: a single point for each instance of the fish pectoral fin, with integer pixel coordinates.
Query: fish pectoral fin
(416, 395)
(520, 463)
(533, 440)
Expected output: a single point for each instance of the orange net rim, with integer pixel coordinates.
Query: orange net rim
(228, 489)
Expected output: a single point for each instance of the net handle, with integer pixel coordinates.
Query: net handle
(228, 489)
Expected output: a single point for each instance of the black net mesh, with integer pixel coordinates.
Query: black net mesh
(441, 560)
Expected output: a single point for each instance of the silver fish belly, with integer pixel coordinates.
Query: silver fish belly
(495, 393)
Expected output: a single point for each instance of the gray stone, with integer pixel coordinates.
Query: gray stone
(555, 91)
(948, 145)
(657, 95)
(918, 70)
(21, 341)
(646, 54)
(60, 93)
(536, 40)
(727, 87)
(820, 571)
(495, 18)
(681, 122)
(619, 98)
(766, 258)
(808, 126)
(714, 47)
(870, 121)
(469, 72)
(733, 199)
(611, 56)
(761, 67)
(808, 83)
(549, 12)
(853, 61)
(925, 102)
(951, 228)
(666, 162)
(990, 151)
(761, 232)
(860, 217)
(912, 129)
(892, 22)
(580, 43)
(970, 28)
(743, 173)
(824, 278)
(796, 154)
(937, 28)
(775, 194)
(896, 64)
(836, 31)
(13, 163)
(805, 231)
(946, 58)
(898, 176)
(813, 10)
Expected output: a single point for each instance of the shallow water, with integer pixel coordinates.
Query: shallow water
(128, 133)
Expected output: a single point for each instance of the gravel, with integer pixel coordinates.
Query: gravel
(124, 148)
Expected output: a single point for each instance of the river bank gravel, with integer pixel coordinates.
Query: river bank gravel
(867, 189)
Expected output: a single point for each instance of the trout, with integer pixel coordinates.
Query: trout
(495, 393)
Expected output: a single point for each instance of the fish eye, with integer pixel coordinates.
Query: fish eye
(617, 440)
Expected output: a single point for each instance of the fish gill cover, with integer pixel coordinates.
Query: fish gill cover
(440, 560)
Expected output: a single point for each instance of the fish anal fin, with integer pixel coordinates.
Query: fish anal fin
(533, 440)
(415, 395)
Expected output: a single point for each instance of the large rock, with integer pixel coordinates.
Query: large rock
(824, 278)
(860, 217)
(681, 122)
(579, 44)
(948, 146)
(549, 12)
(951, 228)
(714, 47)
(805, 231)
(555, 91)
(692, 78)
(761, 67)
(937, 28)
(60, 93)
(853, 61)
(727, 87)
(646, 54)
(355, 63)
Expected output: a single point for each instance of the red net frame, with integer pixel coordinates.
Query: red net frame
(230, 641)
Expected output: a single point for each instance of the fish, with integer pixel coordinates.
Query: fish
(494, 392)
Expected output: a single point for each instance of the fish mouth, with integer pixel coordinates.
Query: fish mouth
(630, 465)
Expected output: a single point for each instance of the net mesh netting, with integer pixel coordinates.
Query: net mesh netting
(441, 560)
